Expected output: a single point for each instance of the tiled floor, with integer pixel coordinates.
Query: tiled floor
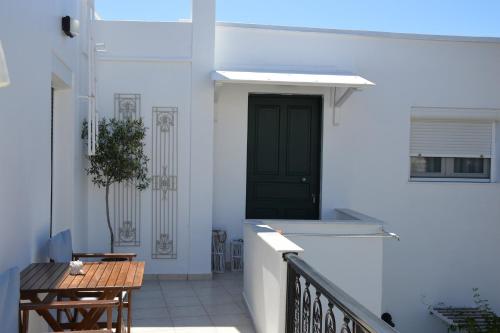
(192, 306)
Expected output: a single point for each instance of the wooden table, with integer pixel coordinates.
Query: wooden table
(109, 279)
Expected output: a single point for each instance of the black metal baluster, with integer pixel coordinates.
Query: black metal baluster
(330, 325)
(345, 325)
(317, 314)
(293, 301)
(306, 309)
(298, 292)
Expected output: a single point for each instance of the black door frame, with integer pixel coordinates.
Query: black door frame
(320, 99)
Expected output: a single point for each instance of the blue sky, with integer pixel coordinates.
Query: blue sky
(449, 17)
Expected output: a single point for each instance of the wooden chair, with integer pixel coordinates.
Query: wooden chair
(61, 250)
(65, 305)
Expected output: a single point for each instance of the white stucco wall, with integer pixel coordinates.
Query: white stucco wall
(39, 56)
(169, 64)
(449, 231)
(358, 274)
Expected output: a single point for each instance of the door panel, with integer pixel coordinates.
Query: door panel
(283, 157)
(266, 160)
(299, 141)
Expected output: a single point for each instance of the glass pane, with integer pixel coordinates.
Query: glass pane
(423, 165)
(468, 165)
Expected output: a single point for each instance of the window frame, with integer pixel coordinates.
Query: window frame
(448, 173)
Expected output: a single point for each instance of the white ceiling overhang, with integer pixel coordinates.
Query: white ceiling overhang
(341, 85)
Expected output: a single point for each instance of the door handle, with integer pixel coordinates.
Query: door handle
(313, 198)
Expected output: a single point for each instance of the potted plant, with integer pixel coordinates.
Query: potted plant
(119, 157)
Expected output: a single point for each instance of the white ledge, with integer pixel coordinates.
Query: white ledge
(274, 239)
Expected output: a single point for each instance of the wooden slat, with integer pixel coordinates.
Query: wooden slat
(97, 276)
(139, 274)
(114, 274)
(66, 281)
(35, 278)
(129, 281)
(120, 282)
(28, 272)
(109, 266)
(55, 277)
(69, 305)
(42, 278)
(89, 269)
(76, 281)
(58, 274)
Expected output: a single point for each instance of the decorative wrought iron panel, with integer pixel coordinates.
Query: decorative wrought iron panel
(164, 168)
(126, 199)
(306, 315)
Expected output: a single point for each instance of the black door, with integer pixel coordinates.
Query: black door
(283, 157)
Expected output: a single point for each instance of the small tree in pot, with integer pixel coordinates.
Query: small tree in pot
(119, 157)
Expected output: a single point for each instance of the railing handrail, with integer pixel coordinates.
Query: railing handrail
(347, 304)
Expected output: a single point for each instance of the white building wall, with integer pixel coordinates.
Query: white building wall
(40, 55)
(169, 64)
(449, 231)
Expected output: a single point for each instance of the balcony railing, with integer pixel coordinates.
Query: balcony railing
(331, 310)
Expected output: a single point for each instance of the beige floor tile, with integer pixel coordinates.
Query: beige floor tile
(179, 292)
(164, 322)
(198, 321)
(224, 309)
(231, 320)
(214, 291)
(235, 329)
(187, 311)
(175, 284)
(149, 294)
(208, 306)
(203, 329)
(151, 313)
(177, 301)
(216, 299)
(144, 303)
(201, 284)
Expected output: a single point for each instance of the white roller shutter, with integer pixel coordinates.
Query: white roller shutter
(446, 138)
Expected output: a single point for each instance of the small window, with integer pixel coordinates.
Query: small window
(450, 167)
(471, 167)
(451, 149)
(426, 167)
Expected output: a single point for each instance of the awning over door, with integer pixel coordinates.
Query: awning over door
(341, 85)
(292, 79)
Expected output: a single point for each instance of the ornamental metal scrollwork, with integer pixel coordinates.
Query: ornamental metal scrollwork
(345, 325)
(296, 315)
(164, 168)
(317, 314)
(306, 309)
(126, 199)
(330, 324)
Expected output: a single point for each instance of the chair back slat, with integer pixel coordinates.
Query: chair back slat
(9, 300)
(60, 247)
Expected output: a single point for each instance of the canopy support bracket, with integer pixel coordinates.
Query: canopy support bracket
(338, 96)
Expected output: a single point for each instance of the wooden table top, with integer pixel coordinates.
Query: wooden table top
(55, 277)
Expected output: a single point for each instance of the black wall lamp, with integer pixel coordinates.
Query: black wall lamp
(70, 26)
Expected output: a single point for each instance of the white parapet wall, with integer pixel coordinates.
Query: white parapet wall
(264, 279)
(348, 250)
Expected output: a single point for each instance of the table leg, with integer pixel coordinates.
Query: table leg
(93, 316)
(54, 324)
(120, 311)
(129, 310)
